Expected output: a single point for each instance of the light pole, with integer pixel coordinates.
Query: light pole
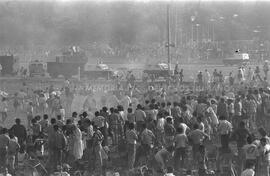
(197, 30)
(192, 36)
(212, 20)
(168, 44)
(168, 37)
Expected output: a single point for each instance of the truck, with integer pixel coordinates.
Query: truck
(67, 64)
(37, 68)
(7, 62)
(155, 71)
(97, 71)
(237, 59)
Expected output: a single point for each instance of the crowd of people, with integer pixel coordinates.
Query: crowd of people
(168, 131)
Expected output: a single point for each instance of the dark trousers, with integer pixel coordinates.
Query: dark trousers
(3, 158)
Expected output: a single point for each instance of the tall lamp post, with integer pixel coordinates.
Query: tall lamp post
(213, 37)
(168, 37)
(168, 44)
(192, 18)
(192, 21)
(197, 30)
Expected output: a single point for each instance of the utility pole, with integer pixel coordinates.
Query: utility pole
(168, 37)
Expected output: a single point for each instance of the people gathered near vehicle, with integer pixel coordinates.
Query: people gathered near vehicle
(211, 131)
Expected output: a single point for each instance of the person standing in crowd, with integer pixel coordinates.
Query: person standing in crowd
(206, 79)
(181, 144)
(114, 121)
(147, 140)
(240, 135)
(51, 141)
(169, 131)
(251, 110)
(74, 118)
(19, 131)
(238, 109)
(176, 113)
(30, 113)
(263, 134)
(104, 113)
(100, 122)
(4, 109)
(264, 152)
(200, 80)
(131, 139)
(77, 143)
(222, 109)
(97, 147)
(36, 129)
(60, 144)
(13, 149)
(201, 160)
(60, 121)
(160, 130)
(251, 152)
(181, 75)
(230, 109)
(162, 157)
(4, 143)
(266, 69)
(196, 137)
(130, 116)
(225, 130)
(140, 118)
(44, 123)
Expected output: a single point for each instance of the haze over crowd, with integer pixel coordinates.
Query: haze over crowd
(58, 23)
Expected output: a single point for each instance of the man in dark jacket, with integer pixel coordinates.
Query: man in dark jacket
(19, 131)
